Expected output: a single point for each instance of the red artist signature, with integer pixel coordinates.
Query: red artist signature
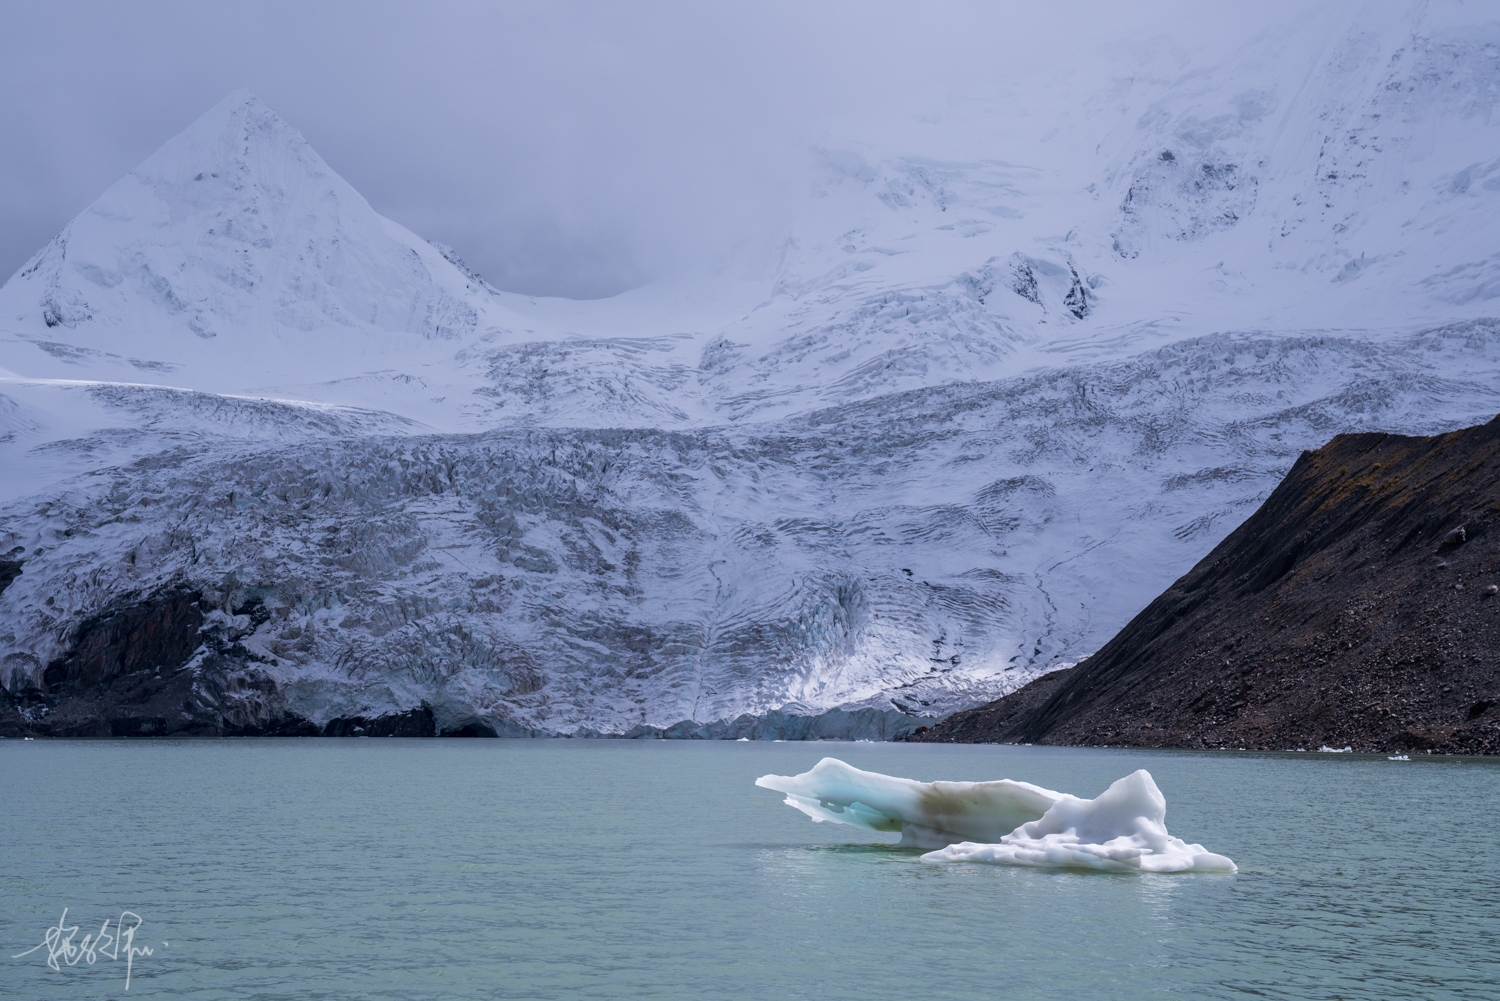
(61, 948)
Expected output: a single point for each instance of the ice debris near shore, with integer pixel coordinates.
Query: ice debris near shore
(1003, 822)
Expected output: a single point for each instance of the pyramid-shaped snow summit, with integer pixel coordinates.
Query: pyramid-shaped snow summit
(234, 238)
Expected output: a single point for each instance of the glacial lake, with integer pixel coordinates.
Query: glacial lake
(425, 869)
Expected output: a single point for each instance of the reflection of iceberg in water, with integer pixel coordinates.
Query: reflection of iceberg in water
(1005, 822)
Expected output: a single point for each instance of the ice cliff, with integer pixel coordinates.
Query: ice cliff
(977, 412)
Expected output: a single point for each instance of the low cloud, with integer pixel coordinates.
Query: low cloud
(563, 149)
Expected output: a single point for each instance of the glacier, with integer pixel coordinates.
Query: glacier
(1011, 823)
(994, 390)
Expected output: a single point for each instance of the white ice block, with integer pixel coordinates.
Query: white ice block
(1003, 822)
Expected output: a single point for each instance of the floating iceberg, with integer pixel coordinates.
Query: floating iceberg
(1003, 822)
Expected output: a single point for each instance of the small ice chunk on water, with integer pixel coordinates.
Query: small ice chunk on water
(1003, 822)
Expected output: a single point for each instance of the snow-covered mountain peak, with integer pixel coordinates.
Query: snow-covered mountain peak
(242, 138)
(234, 244)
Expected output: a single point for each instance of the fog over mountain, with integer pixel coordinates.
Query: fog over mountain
(579, 148)
(930, 395)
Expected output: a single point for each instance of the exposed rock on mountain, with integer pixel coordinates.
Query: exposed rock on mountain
(1356, 608)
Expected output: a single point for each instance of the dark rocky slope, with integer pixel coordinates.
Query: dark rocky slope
(1356, 608)
(148, 668)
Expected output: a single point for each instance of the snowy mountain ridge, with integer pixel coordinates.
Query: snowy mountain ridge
(975, 415)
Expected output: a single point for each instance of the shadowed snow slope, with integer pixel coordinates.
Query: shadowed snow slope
(997, 387)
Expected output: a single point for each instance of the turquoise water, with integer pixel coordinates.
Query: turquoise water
(424, 869)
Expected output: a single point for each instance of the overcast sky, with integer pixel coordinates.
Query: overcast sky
(563, 148)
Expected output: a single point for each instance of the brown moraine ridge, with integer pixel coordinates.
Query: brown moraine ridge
(1356, 608)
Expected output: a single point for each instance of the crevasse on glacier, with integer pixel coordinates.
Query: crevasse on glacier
(937, 449)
